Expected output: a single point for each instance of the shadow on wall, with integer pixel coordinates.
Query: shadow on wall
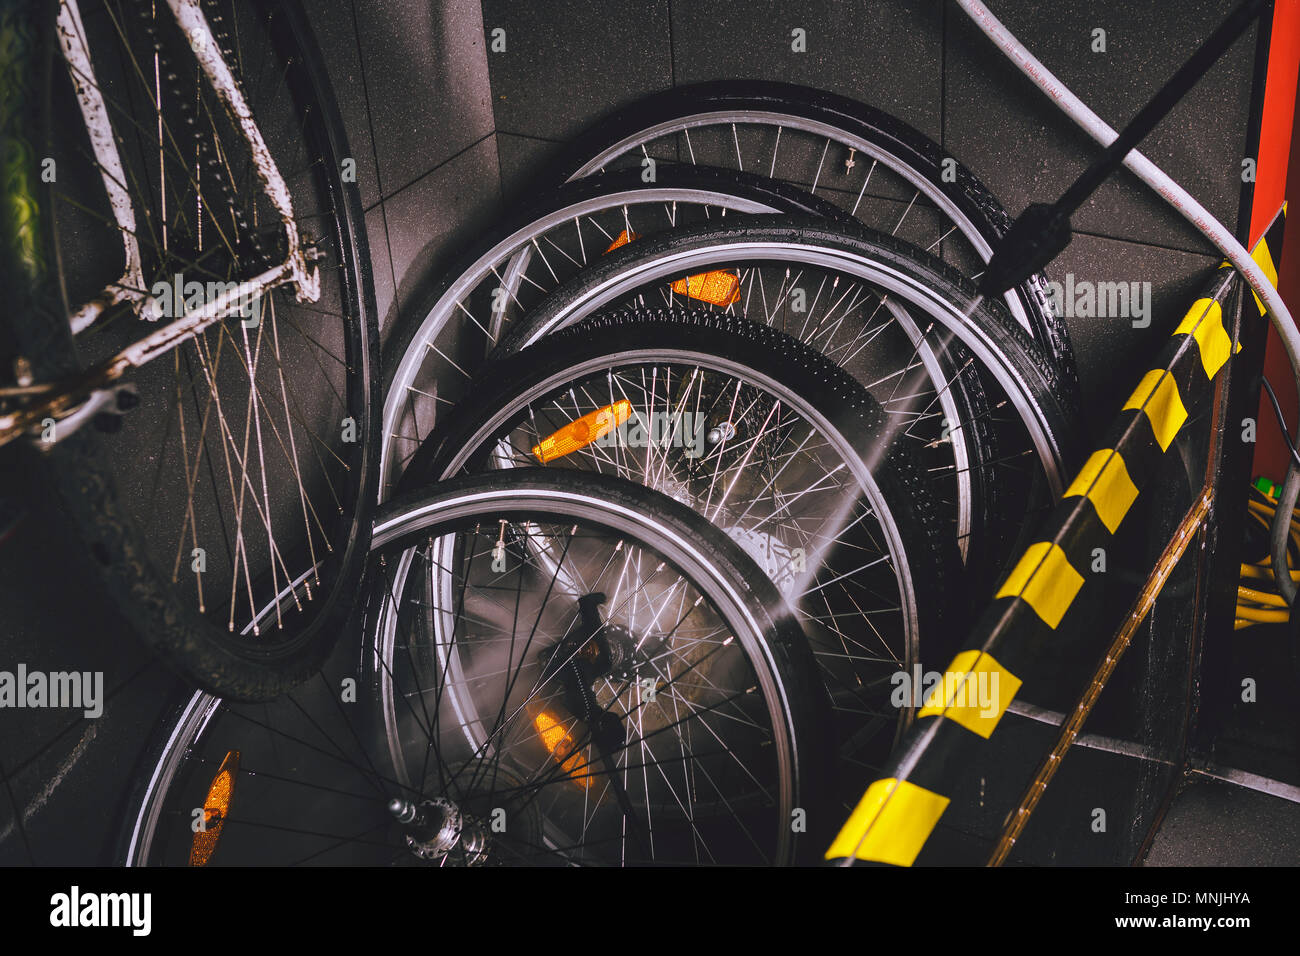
(412, 83)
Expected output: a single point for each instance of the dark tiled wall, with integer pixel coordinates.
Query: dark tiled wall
(1010, 135)
(411, 78)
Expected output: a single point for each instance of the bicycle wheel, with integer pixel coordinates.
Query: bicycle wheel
(229, 512)
(628, 690)
(788, 132)
(856, 285)
(772, 443)
(430, 358)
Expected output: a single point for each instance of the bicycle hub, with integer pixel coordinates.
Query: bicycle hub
(436, 827)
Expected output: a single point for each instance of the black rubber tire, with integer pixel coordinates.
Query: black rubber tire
(755, 190)
(928, 545)
(80, 477)
(789, 654)
(1053, 396)
(781, 197)
(1054, 393)
(887, 133)
(192, 715)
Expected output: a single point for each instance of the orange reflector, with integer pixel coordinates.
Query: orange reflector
(216, 807)
(560, 743)
(717, 288)
(579, 434)
(622, 240)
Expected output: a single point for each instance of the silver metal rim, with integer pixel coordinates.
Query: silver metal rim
(897, 282)
(815, 128)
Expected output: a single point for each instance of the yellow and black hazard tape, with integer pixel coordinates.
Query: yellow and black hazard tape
(1041, 608)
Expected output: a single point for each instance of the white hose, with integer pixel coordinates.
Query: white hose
(1174, 195)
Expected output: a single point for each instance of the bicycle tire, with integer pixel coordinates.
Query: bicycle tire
(1042, 397)
(721, 569)
(934, 604)
(886, 138)
(406, 345)
(84, 482)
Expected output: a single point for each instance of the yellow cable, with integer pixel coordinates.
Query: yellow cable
(1270, 508)
(1264, 607)
(1261, 616)
(1263, 572)
(1258, 508)
(1260, 597)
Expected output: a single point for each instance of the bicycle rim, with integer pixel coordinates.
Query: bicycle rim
(431, 359)
(751, 123)
(205, 728)
(243, 477)
(1014, 366)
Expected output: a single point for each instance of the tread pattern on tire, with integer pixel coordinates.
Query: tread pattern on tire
(911, 146)
(927, 543)
(1054, 394)
(80, 475)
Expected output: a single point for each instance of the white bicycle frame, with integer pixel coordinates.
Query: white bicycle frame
(74, 402)
(295, 269)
